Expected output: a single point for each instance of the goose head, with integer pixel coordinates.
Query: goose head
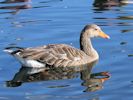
(94, 30)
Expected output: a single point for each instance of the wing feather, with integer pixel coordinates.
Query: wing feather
(56, 55)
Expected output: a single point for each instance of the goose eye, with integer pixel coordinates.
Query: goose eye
(95, 29)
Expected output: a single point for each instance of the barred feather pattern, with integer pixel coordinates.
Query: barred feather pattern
(57, 55)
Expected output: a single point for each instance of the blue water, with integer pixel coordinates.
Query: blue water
(41, 22)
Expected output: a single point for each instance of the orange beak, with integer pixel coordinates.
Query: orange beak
(103, 35)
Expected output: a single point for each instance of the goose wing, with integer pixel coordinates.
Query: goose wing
(55, 55)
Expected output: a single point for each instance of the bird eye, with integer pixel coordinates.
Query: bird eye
(95, 29)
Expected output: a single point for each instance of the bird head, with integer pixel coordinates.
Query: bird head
(94, 30)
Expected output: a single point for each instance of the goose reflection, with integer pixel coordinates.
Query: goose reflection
(92, 81)
(21, 4)
(107, 4)
(95, 82)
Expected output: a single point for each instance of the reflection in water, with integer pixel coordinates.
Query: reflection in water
(127, 1)
(122, 19)
(17, 7)
(106, 4)
(15, 1)
(125, 17)
(127, 30)
(92, 82)
(96, 81)
(107, 21)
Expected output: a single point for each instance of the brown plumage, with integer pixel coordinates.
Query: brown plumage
(60, 55)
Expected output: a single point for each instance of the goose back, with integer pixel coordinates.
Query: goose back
(58, 55)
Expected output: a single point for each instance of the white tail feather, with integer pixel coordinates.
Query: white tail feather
(8, 51)
(25, 62)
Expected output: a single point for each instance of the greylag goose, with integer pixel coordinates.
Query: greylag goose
(60, 55)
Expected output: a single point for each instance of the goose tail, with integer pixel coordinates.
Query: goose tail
(13, 50)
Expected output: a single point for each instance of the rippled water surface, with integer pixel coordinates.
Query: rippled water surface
(39, 22)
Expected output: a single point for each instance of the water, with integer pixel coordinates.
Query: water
(40, 22)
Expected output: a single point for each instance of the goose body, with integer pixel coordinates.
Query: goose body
(60, 55)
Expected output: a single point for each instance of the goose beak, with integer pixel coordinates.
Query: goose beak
(103, 35)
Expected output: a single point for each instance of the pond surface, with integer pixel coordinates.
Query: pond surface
(40, 22)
